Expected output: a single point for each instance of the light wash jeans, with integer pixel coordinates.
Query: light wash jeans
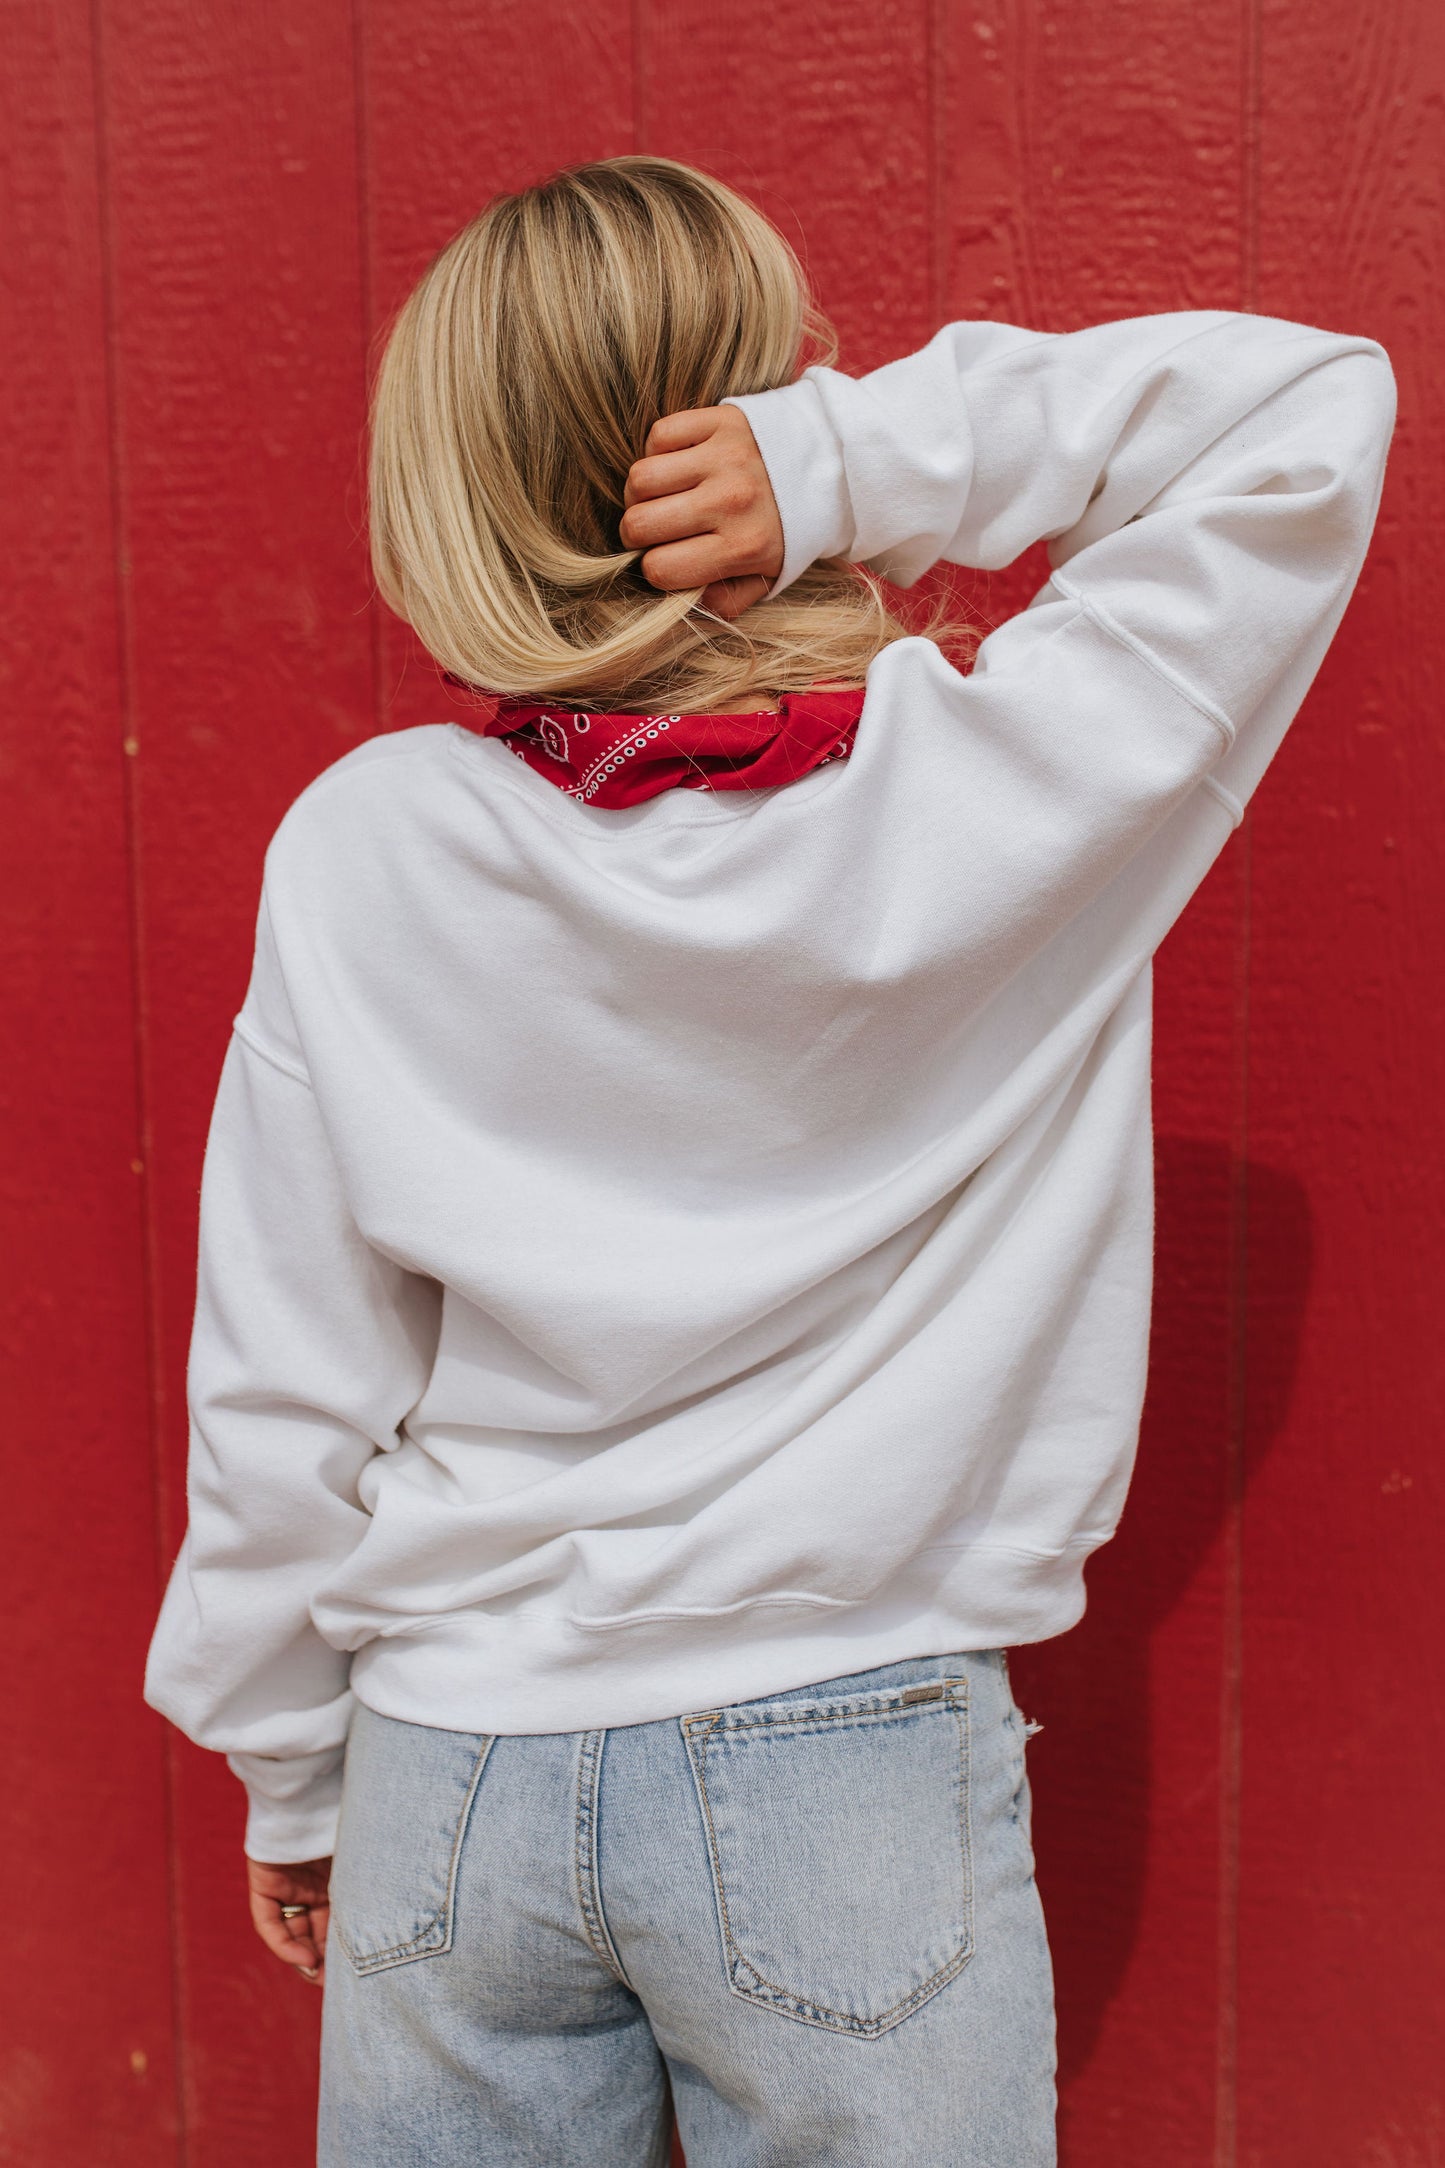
(812, 1917)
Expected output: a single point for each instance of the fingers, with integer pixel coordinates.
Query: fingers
(299, 1942)
(669, 519)
(706, 534)
(665, 475)
(675, 432)
(729, 598)
(291, 1912)
(728, 502)
(700, 508)
(706, 560)
(696, 562)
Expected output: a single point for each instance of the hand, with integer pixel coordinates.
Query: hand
(701, 507)
(300, 1943)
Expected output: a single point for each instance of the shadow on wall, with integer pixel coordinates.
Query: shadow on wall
(1097, 1821)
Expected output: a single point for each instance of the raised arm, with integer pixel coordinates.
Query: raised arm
(1206, 483)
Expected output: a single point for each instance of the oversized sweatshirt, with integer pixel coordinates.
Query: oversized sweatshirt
(655, 1258)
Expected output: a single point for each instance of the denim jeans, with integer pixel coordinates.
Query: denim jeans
(810, 1918)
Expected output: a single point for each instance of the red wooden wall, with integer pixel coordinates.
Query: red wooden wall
(209, 210)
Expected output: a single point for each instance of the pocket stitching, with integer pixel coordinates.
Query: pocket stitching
(422, 1943)
(698, 1732)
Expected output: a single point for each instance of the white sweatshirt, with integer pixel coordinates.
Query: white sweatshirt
(655, 1258)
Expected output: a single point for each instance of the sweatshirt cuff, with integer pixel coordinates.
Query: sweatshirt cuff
(805, 466)
(294, 1804)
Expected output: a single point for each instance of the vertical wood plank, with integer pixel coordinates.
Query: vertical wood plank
(825, 117)
(461, 102)
(1342, 2040)
(240, 371)
(1094, 170)
(276, 181)
(87, 2069)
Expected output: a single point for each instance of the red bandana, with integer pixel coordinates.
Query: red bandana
(617, 760)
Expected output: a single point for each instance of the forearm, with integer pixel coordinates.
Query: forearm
(993, 437)
(1206, 483)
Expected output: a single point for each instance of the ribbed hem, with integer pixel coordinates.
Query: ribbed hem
(294, 1804)
(280, 1837)
(473, 1672)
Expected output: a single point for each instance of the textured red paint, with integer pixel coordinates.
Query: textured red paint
(212, 211)
(1342, 1858)
(87, 2035)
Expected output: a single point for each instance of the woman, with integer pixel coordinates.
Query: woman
(676, 1226)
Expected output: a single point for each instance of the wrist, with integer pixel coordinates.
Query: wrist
(805, 467)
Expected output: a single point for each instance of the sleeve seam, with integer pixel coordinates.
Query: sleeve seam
(1233, 806)
(1161, 669)
(248, 1036)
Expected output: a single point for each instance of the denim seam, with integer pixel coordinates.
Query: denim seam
(589, 1889)
(699, 1732)
(1017, 1724)
(836, 1715)
(418, 1945)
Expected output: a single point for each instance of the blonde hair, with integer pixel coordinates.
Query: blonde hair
(518, 385)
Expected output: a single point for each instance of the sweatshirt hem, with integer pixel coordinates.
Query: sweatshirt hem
(507, 1674)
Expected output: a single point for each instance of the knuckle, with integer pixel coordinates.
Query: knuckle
(657, 572)
(732, 496)
(639, 528)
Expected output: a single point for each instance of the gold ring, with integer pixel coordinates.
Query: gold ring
(293, 1912)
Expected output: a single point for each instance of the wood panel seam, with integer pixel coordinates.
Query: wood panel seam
(128, 753)
(366, 287)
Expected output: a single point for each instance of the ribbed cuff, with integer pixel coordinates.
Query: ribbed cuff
(805, 467)
(294, 1804)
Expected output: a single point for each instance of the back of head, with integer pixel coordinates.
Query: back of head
(518, 386)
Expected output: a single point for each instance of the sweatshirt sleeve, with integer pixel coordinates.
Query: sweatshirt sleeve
(307, 1351)
(1206, 483)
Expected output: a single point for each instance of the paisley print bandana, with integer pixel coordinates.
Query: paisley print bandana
(619, 760)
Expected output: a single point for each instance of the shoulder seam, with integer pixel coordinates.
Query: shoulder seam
(250, 1037)
(1233, 806)
(386, 745)
(1110, 624)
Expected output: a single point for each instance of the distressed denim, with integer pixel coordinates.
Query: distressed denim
(811, 1919)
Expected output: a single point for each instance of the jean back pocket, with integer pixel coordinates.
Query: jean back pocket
(841, 1856)
(406, 1800)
